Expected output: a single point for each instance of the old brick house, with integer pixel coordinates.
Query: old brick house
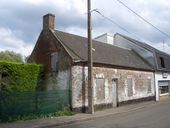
(120, 75)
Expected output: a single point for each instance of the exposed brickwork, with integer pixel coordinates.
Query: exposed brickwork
(79, 85)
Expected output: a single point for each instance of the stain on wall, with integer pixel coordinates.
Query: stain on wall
(80, 85)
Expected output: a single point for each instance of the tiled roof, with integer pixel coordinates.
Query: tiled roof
(103, 53)
(158, 54)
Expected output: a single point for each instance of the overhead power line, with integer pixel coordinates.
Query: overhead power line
(164, 33)
(109, 19)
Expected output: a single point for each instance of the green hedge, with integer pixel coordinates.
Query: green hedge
(19, 77)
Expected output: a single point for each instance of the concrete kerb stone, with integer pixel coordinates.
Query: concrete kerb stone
(97, 116)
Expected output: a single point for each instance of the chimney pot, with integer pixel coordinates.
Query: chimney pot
(49, 21)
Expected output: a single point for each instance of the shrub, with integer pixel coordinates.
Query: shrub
(19, 77)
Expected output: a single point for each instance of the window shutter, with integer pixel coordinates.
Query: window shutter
(130, 86)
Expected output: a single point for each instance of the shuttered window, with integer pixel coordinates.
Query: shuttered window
(148, 84)
(100, 91)
(130, 86)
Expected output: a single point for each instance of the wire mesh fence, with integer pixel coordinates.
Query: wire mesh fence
(14, 104)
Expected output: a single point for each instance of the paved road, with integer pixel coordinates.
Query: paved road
(154, 116)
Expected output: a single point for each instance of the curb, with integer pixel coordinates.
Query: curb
(92, 117)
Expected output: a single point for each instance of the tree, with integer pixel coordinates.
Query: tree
(10, 56)
(26, 58)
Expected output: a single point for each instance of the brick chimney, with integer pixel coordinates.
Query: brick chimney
(48, 21)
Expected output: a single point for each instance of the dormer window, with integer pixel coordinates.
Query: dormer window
(162, 62)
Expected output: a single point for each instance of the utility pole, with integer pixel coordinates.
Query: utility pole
(90, 61)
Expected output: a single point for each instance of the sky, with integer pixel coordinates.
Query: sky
(21, 21)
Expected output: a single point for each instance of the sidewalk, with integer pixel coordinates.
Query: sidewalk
(56, 121)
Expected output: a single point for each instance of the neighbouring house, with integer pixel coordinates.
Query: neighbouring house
(119, 75)
(159, 60)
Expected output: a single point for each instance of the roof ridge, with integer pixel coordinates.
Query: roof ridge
(144, 43)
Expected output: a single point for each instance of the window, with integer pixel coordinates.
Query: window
(162, 62)
(54, 62)
(130, 86)
(163, 87)
(100, 91)
(148, 84)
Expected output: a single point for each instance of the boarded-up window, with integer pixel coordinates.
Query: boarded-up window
(148, 84)
(54, 62)
(130, 86)
(100, 91)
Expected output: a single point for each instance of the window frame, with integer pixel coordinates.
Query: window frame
(130, 90)
(98, 97)
(149, 85)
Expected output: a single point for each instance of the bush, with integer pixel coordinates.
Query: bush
(19, 77)
(33, 116)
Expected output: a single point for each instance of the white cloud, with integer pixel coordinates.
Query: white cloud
(33, 2)
(70, 6)
(70, 17)
(77, 31)
(10, 42)
(164, 47)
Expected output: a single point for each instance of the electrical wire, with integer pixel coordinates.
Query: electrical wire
(109, 19)
(165, 34)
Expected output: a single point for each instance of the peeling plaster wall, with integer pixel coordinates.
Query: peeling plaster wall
(80, 84)
(59, 82)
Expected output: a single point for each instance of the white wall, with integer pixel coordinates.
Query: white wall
(106, 38)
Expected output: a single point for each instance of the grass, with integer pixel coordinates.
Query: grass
(64, 112)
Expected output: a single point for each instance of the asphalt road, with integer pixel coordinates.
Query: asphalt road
(154, 116)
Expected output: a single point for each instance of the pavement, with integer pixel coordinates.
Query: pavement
(64, 120)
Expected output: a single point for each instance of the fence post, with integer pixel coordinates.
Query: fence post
(36, 102)
(0, 96)
(0, 82)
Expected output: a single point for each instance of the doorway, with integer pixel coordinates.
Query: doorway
(115, 92)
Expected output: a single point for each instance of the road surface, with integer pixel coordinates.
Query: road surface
(153, 116)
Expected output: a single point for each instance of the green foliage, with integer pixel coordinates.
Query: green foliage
(33, 116)
(19, 77)
(10, 56)
(65, 111)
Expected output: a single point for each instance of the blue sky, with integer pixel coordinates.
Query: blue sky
(21, 20)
